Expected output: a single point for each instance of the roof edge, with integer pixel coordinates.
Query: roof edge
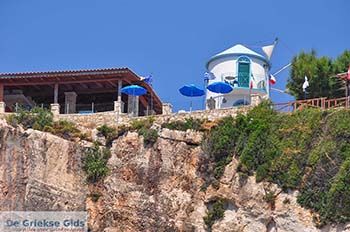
(259, 57)
(64, 72)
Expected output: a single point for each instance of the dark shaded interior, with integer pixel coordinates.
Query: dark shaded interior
(91, 97)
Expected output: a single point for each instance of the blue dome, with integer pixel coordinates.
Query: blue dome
(238, 50)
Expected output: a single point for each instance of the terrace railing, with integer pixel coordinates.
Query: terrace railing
(322, 103)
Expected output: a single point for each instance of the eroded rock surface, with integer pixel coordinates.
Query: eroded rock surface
(39, 171)
(154, 188)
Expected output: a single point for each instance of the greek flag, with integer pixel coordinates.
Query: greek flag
(148, 79)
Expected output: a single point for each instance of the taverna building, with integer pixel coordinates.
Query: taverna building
(245, 70)
(77, 92)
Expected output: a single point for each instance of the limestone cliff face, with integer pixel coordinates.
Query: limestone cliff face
(39, 171)
(155, 188)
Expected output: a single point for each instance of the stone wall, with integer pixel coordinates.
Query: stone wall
(111, 118)
(91, 121)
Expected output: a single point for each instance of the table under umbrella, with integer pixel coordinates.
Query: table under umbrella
(220, 87)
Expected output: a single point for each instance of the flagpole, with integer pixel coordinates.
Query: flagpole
(267, 81)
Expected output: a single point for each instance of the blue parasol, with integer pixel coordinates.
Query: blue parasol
(134, 90)
(191, 91)
(220, 87)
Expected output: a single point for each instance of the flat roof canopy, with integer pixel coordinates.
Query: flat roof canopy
(96, 81)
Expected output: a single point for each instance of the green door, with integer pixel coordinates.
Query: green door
(243, 72)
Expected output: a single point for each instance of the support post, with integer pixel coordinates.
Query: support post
(255, 99)
(2, 107)
(55, 98)
(70, 102)
(55, 109)
(167, 108)
(2, 103)
(1, 92)
(133, 105)
(120, 85)
(118, 105)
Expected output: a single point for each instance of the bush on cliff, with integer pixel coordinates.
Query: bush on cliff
(137, 124)
(184, 125)
(63, 129)
(307, 150)
(143, 127)
(36, 118)
(150, 136)
(42, 119)
(215, 212)
(95, 163)
(109, 133)
(219, 144)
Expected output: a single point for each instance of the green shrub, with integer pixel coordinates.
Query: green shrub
(150, 136)
(143, 127)
(42, 119)
(270, 198)
(187, 124)
(307, 150)
(106, 131)
(219, 145)
(122, 130)
(95, 163)
(144, 123)
(109, 133)
(221, 140)
(339, 122)
(338, 196)
(286, 201)
(36, 118)
(64, 129)
(215, 213)
(95, 196)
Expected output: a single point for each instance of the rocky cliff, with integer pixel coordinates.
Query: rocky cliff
(157, 187)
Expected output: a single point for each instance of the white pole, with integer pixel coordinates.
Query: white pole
(278, 90)
(283, 68)
(267, 82)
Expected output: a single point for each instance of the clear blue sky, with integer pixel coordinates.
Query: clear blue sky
(170, 39)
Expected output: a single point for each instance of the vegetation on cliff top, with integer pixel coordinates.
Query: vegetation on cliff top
(321, 74)
(184, 125)
(307, 150)
(42, 119)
